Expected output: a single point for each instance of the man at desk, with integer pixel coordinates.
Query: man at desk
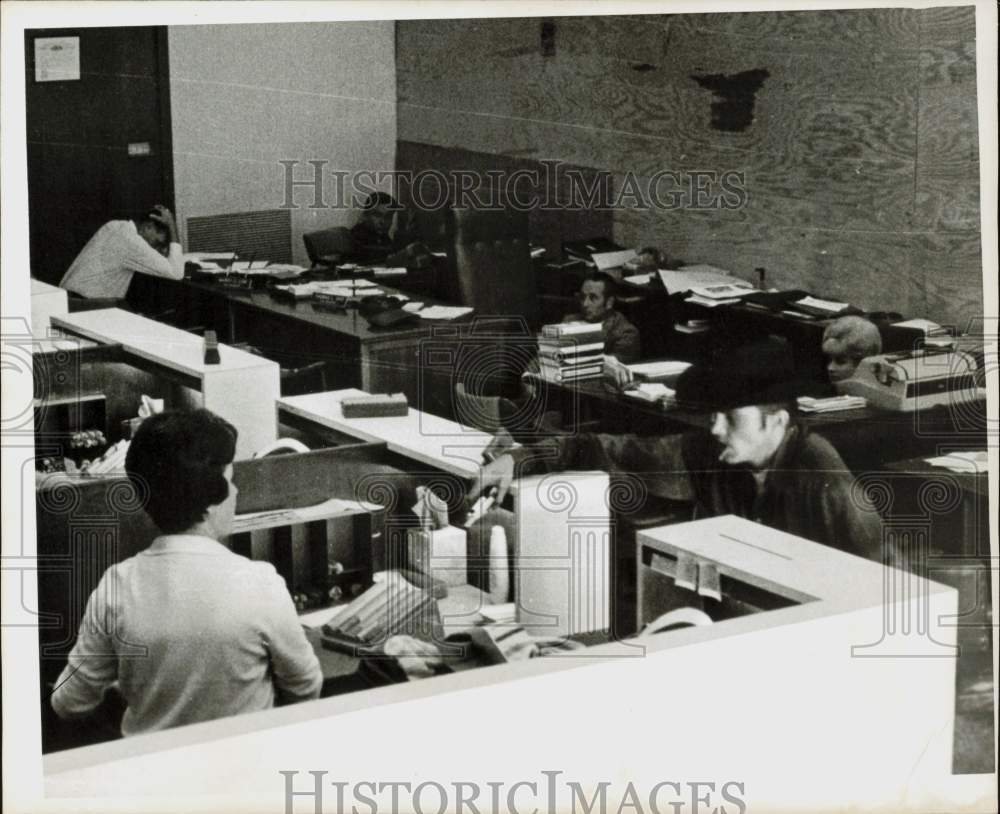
(597, 304)
(385, 234)
(755, 461)
(187, 629)
(104, 267)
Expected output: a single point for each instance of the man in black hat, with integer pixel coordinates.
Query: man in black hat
(755, 461)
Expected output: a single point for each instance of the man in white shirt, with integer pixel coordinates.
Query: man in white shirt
(104, 267)
(187, 629)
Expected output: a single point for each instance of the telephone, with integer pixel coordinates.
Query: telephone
(281, 445)
(674, 620)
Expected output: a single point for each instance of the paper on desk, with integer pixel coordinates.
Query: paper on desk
(639, 279)
(248, 265)
(658, 369)
(612, 260)
(413, 307)
(347, 292)
(444, 312)
(708, 302)
(929, 328)
(688, 277)
(389, 271)
(971, 463)
(285, 517)
(831, 306)
(652, 391)
(721, 291)
(808, 404)
(197, 257)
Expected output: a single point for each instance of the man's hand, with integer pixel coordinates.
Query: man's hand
(615, 374)
(498, 473)
(160, 214)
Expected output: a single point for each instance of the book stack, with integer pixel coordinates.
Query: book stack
(571, 351)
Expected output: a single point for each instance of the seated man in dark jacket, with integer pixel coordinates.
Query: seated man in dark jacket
(755, 461)
(597, 304)
(386, 235)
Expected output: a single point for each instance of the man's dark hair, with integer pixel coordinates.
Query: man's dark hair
(610, 286)
(178, 458)
(147, 219)
(377, 199)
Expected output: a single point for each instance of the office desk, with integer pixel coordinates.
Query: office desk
(562, 571)
(419, 436)
(796, 676)
(46, 301)
(420, 360)
(242, 388)
(867, 438)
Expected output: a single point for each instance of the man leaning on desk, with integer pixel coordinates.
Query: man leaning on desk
(187, 630)
(755, 461)
(104, 267)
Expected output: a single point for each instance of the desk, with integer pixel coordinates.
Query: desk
(46, 301)
(242, 388)
(420, 360)
(420, 436)
(562, 570)
(793, 674)
(867, 439)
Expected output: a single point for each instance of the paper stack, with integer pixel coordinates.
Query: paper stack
(658, 371)
(653, 392)
(808, 404)
(970, 463)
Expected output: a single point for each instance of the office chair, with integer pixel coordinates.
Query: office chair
(489, 264)
(328, 246)
(479, 412)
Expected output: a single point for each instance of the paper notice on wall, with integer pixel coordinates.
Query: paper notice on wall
(57, 59)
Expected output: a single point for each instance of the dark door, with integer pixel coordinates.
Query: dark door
(99, 147)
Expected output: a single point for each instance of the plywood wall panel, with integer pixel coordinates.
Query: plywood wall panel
(802, 29)
(948, 63)
(948, 24)
(947, 129)
(947, 199)
(862, 146)
(951, 265)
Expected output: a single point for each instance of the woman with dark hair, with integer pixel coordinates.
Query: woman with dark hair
(188, 630)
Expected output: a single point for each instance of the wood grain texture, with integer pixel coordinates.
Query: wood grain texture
(948, 24)
(860, 161)
(952, 268)
(947, 198)
(804, 30)
(949, 63)
(947, 128)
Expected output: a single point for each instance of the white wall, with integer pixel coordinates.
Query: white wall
(244, 97)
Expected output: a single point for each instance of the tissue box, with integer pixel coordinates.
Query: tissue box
(440, 554)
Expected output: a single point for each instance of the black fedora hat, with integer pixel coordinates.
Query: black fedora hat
(759, 373)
